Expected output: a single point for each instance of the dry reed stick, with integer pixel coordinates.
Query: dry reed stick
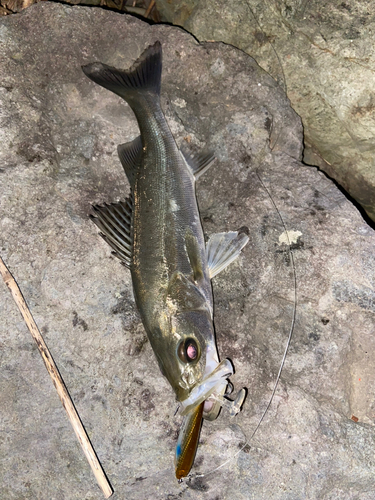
(149, 8)
(57, 382)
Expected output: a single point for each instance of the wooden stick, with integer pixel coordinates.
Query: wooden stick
(149, 8)
(57, 382)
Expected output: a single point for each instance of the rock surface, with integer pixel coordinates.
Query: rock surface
(323, 52)
(142, 8)
(59, 134)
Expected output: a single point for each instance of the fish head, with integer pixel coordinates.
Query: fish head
(190, 362)
(191, 332)
(187, 351)
(187, 332)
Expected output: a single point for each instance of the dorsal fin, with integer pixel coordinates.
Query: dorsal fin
(198, 162)
(224, 248)
(114, 222)
(130, 155)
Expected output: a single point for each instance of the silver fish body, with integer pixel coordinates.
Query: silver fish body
(158, 234)
(174, 299)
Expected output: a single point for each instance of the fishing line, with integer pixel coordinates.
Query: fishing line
(278, 60)
(290, 251)
(272, 46)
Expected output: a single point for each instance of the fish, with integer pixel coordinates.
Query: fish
(157, 234)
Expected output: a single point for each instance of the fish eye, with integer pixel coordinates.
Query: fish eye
(188, 350)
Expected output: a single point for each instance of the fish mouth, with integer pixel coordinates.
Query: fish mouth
(204, 401)
(215, 382)
(212, 390)
(192, 408)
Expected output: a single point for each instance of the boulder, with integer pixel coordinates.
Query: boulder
(322, 54)
(59, 133)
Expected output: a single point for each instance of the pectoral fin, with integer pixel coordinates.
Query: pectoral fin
(224, 248)
(114, 222)
(192, 249)
(184, 294)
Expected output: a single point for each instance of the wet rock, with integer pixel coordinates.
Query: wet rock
(59, 133)
(322, 53)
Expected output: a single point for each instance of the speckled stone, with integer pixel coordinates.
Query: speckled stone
(59, 133)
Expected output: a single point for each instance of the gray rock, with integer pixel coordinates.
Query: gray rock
(59, 134)
(322, 53)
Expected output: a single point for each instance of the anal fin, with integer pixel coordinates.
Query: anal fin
(200, 162)
(130, 155)
(224, 248)
(114, 222)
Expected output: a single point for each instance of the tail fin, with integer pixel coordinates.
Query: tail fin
(144, 75)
